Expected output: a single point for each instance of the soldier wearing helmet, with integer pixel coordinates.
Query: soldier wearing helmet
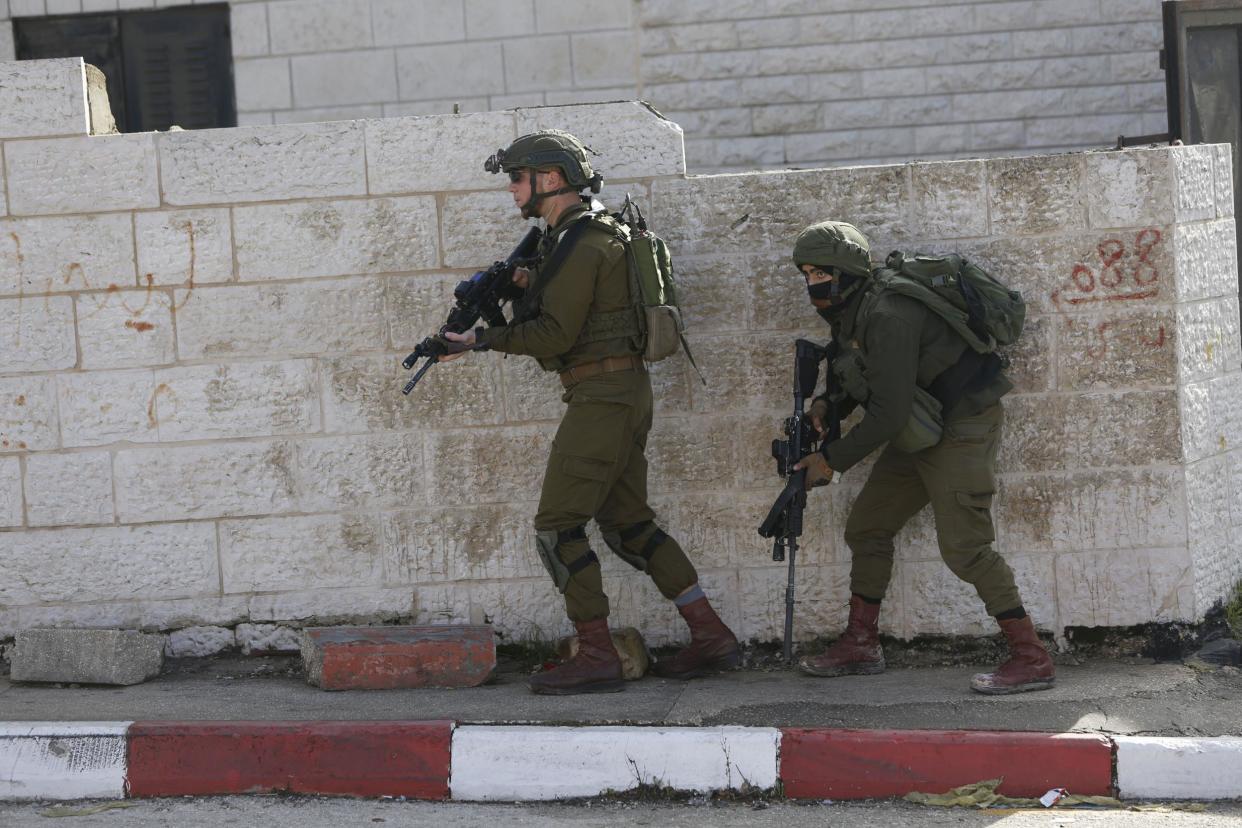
(578, 319)
(896, 356)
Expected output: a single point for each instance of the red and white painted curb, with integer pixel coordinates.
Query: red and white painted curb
(438, 760)
(62, 760)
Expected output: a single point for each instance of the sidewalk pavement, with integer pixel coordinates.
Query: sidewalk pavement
(232, 725)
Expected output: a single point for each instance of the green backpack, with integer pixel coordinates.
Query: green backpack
(986, 314)
(983, 311)
(652, 283)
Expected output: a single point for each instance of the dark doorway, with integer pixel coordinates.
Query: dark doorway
(164, 67)
(1203, 75)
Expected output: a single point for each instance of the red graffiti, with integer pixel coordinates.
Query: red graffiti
(1118, 338)
(1112, 281)
(1154, 342)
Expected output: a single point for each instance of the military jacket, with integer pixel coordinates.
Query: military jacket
(592, 284)
(905, 345)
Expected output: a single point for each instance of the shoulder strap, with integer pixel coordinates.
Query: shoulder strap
(854, 325)
(559, 253)
(957, 319)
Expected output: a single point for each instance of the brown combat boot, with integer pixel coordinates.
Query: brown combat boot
(1029, 666)
(713, 647)
(857, 651)
(595, 668)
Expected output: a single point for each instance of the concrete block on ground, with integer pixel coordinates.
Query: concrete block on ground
(630, 646)
(199, 642)
(385, 658)
(267, 639)
(87, 656)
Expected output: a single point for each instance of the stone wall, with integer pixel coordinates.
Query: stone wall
(807, 83)
(755, 83)
(200, 409)
(326, 60)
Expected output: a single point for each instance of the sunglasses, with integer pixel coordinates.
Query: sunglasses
(516, 175)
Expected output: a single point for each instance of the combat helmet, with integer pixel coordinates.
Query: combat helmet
(549, 148)
(839, 248)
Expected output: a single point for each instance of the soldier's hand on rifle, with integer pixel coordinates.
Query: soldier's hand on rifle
(819, 410)
(818, 471)
(458, 345)
(521, 277)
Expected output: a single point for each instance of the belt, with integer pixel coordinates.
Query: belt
(618, 363)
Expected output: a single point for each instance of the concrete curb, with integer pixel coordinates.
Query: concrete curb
(62, 760)
(438, 760)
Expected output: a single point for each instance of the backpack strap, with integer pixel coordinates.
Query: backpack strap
(957, 319)
(553, 265)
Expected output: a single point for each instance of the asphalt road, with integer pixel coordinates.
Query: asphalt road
(335, 813)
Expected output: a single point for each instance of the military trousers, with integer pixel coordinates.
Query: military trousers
(957, 476)
(597, 470)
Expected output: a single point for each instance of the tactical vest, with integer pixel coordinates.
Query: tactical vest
(624, 325)
(925, 427)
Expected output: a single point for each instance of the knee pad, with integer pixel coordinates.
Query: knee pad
(549, 542)
(624, 544)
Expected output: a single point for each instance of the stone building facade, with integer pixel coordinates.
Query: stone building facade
(201, 333)
(755, 83)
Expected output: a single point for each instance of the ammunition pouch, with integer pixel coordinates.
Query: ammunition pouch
(664, 328)
(925, 426)
(549, 542)
(851, 373)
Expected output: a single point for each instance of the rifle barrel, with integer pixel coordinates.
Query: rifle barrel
(787, 648)
(409, 386)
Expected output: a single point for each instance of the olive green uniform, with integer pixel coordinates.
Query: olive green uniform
(904, 344)
(597, 468)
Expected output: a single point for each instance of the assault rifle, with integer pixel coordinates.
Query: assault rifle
(479, 297)
(784, 521)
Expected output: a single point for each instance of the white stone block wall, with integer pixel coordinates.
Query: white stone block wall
(807, 83)
(327, 60)
(760, 84)
(201, 420)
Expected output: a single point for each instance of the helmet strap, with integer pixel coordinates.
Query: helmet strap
(529, 209)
